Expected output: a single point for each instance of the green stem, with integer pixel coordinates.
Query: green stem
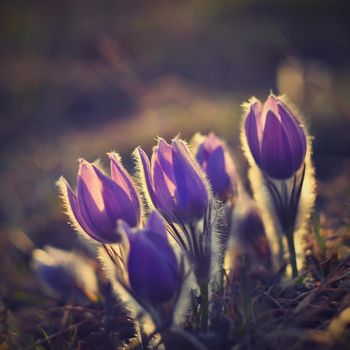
(292, 255)
(280, 250)
(204, 306)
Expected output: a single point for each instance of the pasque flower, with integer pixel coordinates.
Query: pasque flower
(214, 158)
(174, 182)
(101, 200)
(278, 144)
(65, 273)
(152, 266)
(250, 233)
(178, 189)
(276, 138)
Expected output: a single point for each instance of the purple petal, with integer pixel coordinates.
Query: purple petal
(191, 194)
(164, 248)
(165, 159)
(271, 104)
(117, 203)
(276, 154)
(151, 273)
(74, 206)
(250, 227)
(102, 202)
(164, 189)
(129, 231)
(251, 233)
(122, 178)
(251, 131)
(217, 163)
(212, 142)
(58, 278)
(202, 156)
(156, 225)
(208, 146)
(148, 176)
(296, 137)
(216, 171)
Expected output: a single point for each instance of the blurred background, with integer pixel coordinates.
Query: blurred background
(80, 78)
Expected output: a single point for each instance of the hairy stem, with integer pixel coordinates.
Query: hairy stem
(292, 255)
(204, 306)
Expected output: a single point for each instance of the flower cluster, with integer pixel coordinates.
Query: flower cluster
(164, 225)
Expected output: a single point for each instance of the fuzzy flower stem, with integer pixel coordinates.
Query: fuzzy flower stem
(108, 305)
(280, 250)
(204, 307)
(292, 255)
(243, 289)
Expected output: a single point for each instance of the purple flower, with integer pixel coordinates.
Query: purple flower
(214, 158)
(152, 265)
(101, 200)
(250, 231)
(65, 273)
(275, 137)
(174, 182)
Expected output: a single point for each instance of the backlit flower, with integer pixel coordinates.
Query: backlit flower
(276, 138)
(65, 273)
(249, 230)
(174, 182)
(214, 158)
(152, 265)
(101, 200)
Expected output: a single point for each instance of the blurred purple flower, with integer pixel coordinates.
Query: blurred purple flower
(174, 182)
(152, 266)
(65, 273)
(275, 137)
(250, 232)
(102, 200)
(214, 158)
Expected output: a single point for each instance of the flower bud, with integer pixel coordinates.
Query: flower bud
(214, 158)
(65, 273)
(174, 183)
(276, 138)
(249, 232)
(152, 265)
(101, 200)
